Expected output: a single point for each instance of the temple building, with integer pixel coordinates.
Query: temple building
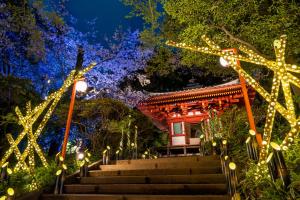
(184, 113)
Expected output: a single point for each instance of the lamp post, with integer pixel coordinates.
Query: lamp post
(225, 63)
(80, 86)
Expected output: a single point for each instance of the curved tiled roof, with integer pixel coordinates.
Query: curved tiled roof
(193, 94)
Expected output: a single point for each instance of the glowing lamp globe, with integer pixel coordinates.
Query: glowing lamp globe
(10, 192)
(81, 86)
(232, 166)
(80, 156)
(224, 62)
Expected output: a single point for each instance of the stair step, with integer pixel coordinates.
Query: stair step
(146, 189)
(169, 159)
(132, 197)
(148, 172)
(168, 179)
(164, 165)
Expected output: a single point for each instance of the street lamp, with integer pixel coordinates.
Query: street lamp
(225, 63)
(81, 86)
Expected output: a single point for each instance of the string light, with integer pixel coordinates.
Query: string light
(10, 192)
(282, 76)
(28, 122)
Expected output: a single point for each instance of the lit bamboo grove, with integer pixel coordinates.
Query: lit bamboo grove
(283, 75)
(29, 119)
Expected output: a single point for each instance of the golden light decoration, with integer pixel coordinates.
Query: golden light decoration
(10, 191)
(28, 121)
(283, 76)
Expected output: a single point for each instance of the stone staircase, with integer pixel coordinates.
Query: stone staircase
(173, 178)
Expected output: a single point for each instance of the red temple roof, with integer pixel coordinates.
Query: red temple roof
(191, 105)
(193, 94)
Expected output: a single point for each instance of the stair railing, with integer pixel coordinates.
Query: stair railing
(146, 154)
(277, 167)
(83, 171)
(106, 156)
(252, 147)
(60, 174)
(229, 170)
(119, 153)
(5, 173)
(201, 145)
(275, 161)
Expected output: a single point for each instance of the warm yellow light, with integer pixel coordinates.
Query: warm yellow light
(64, 166)
(58, 172)
(264, 142)
(28, 121)
(224, 62)
(248, 140)
(9, 171)
(282, 77)
(224, 142)
(61, 159)
(269, 157)
(214, 144)
(10, 192)
(232, 166)
(275, 146)
(3, 198)
(82, 164)
(4, 165)
(252, 132)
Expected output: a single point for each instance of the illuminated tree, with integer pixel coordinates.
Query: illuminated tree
(283, 77)
(28, 120)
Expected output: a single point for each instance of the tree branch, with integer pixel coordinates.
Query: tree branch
(234, 38)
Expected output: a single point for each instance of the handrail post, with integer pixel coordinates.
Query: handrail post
(214, 146)
(5, 173)
(86, 162)
(201, 146)
(281, 168)
(233, 178)
(106, 156)
(272, 167)
(60, 176)
(117, 154)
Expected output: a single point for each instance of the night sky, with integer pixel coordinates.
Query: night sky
(110, 15)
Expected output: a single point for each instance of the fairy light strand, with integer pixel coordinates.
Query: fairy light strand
(28, 121)
(282, 77)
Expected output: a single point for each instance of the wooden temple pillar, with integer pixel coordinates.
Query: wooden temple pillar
(179, 111)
